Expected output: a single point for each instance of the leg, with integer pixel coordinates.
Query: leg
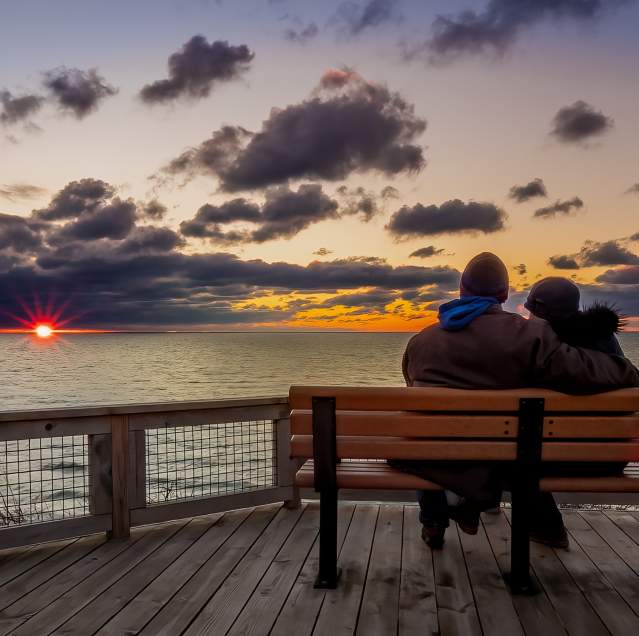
(433, 514)
(328, 570)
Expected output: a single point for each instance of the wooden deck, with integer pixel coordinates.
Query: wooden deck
(251, 572)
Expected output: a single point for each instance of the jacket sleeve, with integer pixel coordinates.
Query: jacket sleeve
(569, 369)
(405, 360)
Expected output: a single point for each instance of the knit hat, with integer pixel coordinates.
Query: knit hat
(485, 275)
(553, 298)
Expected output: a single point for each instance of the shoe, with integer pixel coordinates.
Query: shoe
(466, 516)
(433, 536)
(556, 539)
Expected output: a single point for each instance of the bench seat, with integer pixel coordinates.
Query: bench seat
(363, 475)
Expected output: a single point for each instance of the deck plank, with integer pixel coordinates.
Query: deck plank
(217, 616)
(616, 615)
(261, 610)
(628, 522)
(65, 606)
(110, 601)
(497, 614)
(536, 613)
(26, 607)
(615, 537)
(303, 604)
(379, 613)
(47, 569)
(185, 605)
(132, 618)
(339, 611)
(455, 603)
(417, 602)
(19, 563)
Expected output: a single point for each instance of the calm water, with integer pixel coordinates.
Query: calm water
(124, 368)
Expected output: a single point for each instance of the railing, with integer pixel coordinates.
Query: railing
(68, 472)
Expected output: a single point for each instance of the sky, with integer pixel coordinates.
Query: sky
(281, 164)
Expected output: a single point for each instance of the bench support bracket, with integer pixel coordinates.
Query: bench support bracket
(325, 462)
(525, 489)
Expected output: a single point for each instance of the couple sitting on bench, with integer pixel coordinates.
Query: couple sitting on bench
(478, 345)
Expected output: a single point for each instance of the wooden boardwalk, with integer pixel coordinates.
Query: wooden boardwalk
(251, 572)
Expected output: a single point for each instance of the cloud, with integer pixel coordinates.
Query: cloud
(359, 201)
(196, 68)
(633, 189)
(559, 208)
(352, 18)
(534, 188)
(495, 29)
(607, 253)
(355, 127)
(634, 237)
(426, 252)
(322, 251)
(521, 269)
(20, 191)
(563, 262)
(301, 34)
(153, 209)
(77, 92)
(16, 109)
(284, 214)
(579, 122)
(144, 278)
(451, 217)
(621, 276)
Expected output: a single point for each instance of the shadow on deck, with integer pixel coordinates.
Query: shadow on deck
(251, 571)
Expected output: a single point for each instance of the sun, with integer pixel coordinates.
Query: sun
(43, 331)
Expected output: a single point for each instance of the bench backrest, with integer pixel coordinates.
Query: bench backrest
(453, 424)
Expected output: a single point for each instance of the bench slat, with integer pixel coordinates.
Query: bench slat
(350, 447)
(416, 424)
(441, 399)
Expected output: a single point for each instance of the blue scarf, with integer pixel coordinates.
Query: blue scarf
(456, 314)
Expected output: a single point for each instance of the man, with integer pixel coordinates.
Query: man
(478, 345)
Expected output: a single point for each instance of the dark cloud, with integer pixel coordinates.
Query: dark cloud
(16, 109)
(352, 18)
(389, 192)
(521, 269)
(196, 67)
(353, 127)
(607, 253)
(633, 189)
(451, 217)
(153, 209)
(20, 191)
(359, 201)
(426, 252)
(634, 237)
(76, 198)
(284, 214)
(374, 298)
(322, 251)
(144, 279)
(494, 29)
(559, 208)
(563, 262)
(301, 34)
(621, 276)
(579, 122)
(534, 188)
(77, 92)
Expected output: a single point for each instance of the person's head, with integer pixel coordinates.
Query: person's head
(553, 298)
(485, 275)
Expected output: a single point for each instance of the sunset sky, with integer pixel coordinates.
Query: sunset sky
(239, 164)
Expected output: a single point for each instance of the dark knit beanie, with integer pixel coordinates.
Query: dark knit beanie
(485, 275)
(553, 298)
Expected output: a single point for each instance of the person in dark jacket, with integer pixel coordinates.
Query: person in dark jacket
(478, 345)
(557, 299)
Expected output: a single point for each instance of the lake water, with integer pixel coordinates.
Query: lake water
(127, 368)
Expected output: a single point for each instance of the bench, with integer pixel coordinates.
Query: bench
(525, 427)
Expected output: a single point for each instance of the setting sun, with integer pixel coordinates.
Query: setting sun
(43, 331)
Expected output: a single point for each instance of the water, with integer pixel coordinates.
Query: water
(83, 370)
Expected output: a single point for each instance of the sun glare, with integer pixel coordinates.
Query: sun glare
(43, 331)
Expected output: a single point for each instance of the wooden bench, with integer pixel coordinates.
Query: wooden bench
(525, 427)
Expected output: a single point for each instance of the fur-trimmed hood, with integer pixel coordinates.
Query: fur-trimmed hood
(594, 324)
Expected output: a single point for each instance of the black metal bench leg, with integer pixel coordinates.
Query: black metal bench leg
(519, 579)
(328, 571)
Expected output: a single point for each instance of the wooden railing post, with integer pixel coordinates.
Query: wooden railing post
(286, 466)
(121, 522)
